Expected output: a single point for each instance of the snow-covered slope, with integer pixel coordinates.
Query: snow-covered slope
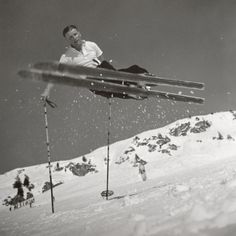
(190, 187)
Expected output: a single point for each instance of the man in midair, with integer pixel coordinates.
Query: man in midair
(87, 53)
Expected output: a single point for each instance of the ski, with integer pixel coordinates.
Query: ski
(103, 86)
(105, 74)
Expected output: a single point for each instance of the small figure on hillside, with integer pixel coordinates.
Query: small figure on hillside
(142, 170)
(141, 167)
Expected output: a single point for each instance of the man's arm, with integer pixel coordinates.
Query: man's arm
(46, 92)
(101, 58)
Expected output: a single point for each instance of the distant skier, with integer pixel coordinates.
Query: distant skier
(142, 170)
(87, 53)
(141, 167)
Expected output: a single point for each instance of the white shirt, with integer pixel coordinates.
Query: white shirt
(88, 56)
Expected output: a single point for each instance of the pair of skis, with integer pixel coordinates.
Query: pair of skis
(108, 81)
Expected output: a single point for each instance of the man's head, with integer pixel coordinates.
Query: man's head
(73, 36)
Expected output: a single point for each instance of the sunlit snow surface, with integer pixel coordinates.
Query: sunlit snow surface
(189, 191)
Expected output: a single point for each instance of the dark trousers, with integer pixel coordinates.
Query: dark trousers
(132, 69)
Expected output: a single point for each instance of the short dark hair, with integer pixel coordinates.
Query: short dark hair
(68, 28)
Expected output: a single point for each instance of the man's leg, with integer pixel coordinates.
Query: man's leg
(106, 65)
(135, 69)
(132, 69)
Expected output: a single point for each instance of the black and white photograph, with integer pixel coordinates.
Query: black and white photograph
(118, 117)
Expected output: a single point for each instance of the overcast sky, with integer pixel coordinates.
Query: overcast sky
(186, 39)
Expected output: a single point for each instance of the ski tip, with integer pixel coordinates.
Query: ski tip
(40, 65)
(45, 65)
(23, 73)
(195, 100)
(201, 86)
(199, 101)
(30, 74)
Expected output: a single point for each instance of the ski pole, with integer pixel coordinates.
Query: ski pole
(108, 146)
(53, 105)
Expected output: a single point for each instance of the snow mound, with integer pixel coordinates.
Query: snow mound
(190, 187)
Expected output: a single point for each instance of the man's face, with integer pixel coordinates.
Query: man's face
(73, 37)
